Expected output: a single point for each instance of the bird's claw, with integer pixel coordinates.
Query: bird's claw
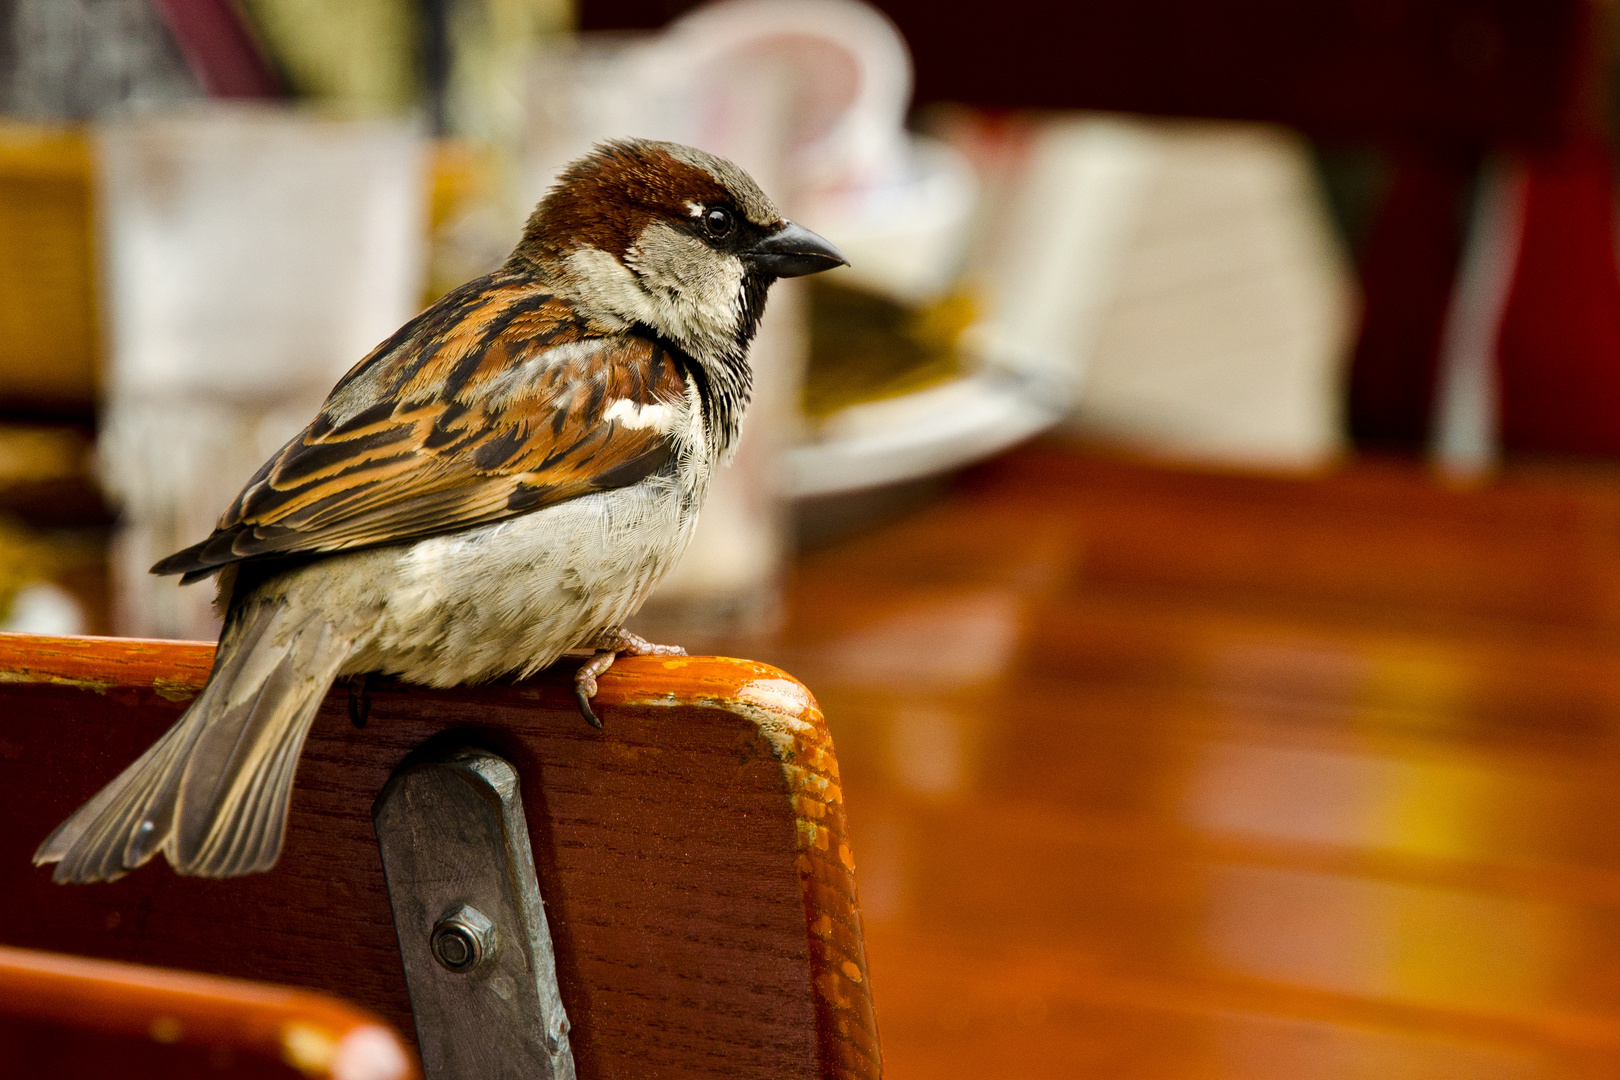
(609, 644)
(583, 696)
(585, 684)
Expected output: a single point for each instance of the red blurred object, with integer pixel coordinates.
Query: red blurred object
(1558, 351)
(220, 48)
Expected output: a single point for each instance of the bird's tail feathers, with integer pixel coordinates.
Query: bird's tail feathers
(212, 794)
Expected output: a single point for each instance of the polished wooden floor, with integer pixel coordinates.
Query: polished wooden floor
(1163, 774)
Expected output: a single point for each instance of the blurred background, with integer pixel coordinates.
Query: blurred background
(1196, 507)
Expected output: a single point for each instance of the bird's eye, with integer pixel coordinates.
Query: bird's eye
(717, 219)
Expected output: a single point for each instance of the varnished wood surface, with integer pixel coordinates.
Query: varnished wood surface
(1158, 773)
(693, 856)
(65, 1017)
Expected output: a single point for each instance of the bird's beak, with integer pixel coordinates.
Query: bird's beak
(794, 251)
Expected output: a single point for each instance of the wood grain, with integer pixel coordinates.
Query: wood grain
(693, 856)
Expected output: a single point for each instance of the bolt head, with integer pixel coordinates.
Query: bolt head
(463, 939)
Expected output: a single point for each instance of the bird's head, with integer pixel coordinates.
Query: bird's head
(668, 237)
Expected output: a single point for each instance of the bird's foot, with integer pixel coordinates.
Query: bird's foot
(621, 641)
(610, 644)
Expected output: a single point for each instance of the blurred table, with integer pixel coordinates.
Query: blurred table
(1159, 773)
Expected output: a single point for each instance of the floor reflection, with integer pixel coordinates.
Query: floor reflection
(1162, 774)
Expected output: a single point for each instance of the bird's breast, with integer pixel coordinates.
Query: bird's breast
(516, 595)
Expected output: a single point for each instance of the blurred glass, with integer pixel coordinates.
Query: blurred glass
(253, 255)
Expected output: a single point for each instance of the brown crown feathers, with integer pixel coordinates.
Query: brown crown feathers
(607, 199)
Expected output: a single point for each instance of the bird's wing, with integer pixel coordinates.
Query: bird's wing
(496, 401)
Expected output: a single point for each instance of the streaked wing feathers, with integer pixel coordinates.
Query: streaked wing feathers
(494, 402)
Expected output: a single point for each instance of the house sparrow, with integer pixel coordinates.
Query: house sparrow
(503, 480)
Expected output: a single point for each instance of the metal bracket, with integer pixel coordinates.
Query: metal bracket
(471, 924)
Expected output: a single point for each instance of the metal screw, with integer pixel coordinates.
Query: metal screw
(463, 939)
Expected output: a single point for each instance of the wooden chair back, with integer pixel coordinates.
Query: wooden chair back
(68, 1018)
(698, 880)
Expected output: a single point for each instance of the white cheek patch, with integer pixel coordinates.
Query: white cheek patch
(689, 291)
(660, 418)
(608, 286)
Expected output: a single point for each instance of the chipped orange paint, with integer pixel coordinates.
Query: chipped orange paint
(809, 808)
(833, 987)
(170, 690)
(790, 720)
(164, 667)
(806, 833)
